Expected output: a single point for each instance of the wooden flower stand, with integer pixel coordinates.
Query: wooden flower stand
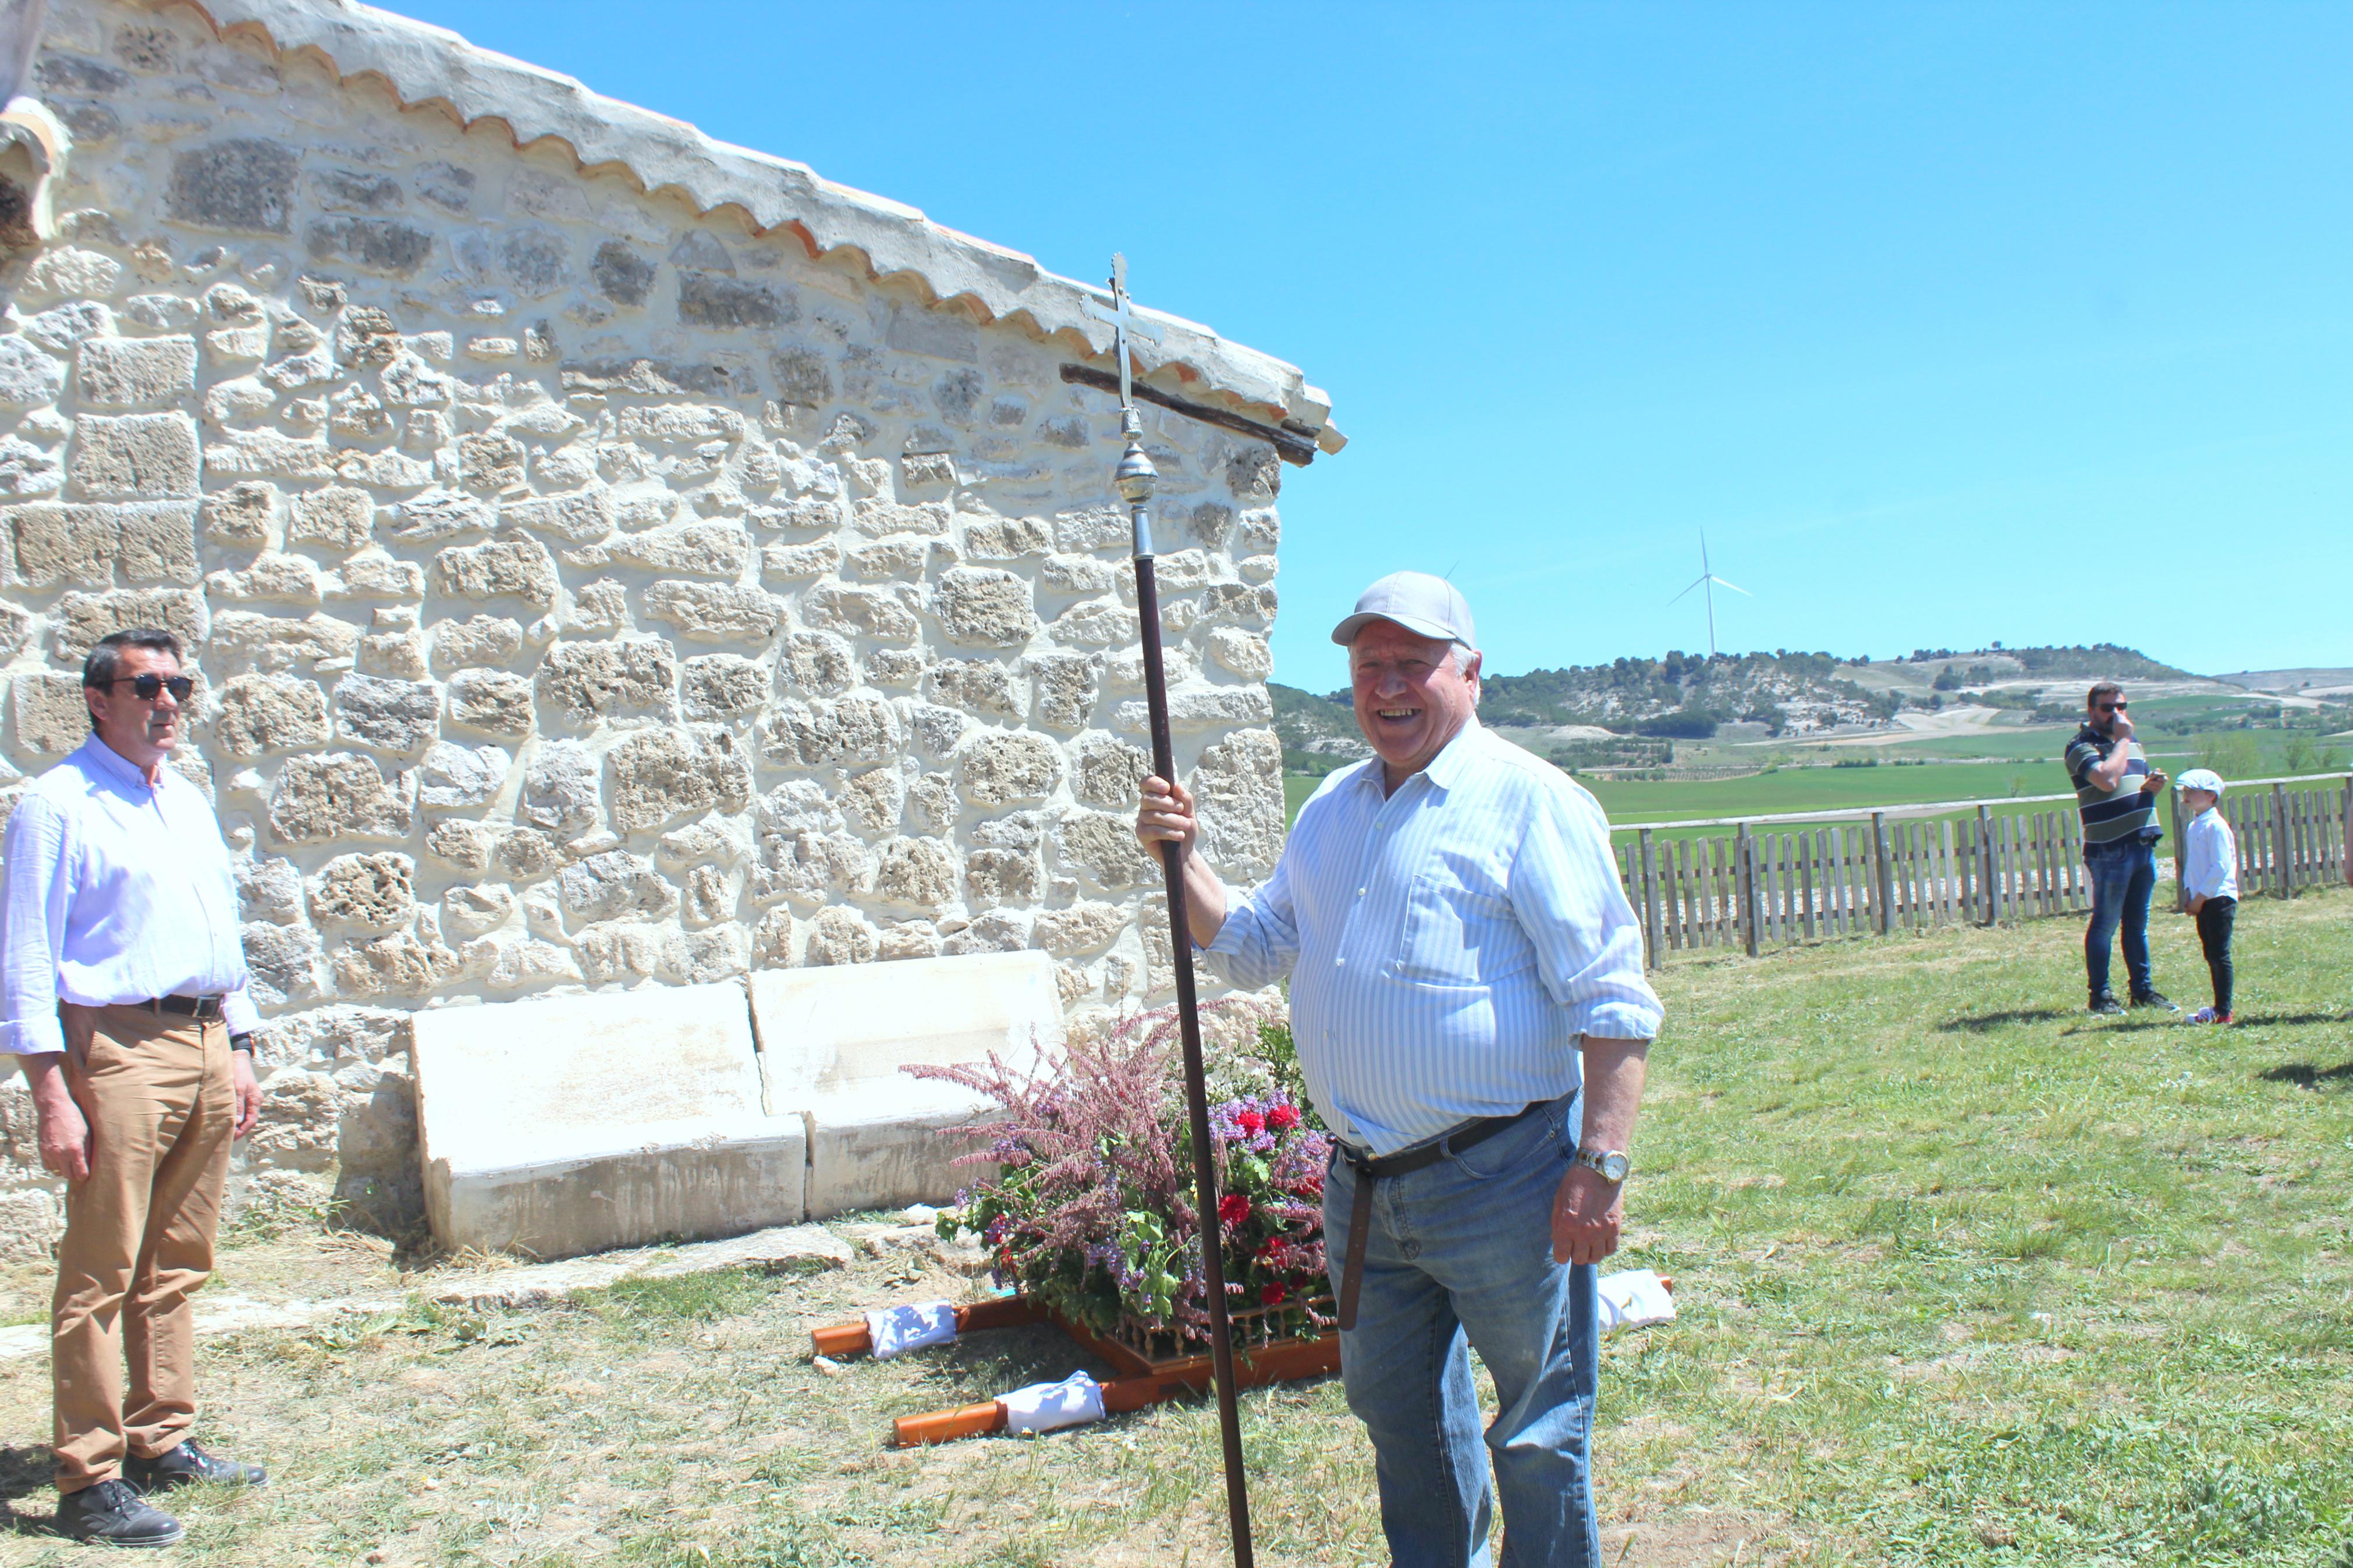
(1152, 1365)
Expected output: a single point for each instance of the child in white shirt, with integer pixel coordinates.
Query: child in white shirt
(2209, 880)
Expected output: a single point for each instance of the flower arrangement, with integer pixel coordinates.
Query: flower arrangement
(1087, 1199)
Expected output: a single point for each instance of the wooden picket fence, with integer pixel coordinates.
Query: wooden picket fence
(2288, 838)
(1778, 880)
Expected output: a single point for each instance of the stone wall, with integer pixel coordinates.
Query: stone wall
(583, 589)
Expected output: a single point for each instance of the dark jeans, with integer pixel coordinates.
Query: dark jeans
(1460, 1258)
(2123, 877)
(2215, 918)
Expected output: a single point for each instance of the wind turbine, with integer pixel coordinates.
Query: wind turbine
(1708, 582)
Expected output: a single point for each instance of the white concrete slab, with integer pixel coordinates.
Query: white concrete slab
(833, 1040)
(571, 1124)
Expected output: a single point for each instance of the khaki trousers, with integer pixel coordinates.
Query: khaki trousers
(161, 1108)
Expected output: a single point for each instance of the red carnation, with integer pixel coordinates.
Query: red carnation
(1268, 1295)
(1251, 1122)
(1233, 1208)
(1283, 1118)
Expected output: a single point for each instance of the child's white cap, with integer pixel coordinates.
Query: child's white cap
(2206, 779)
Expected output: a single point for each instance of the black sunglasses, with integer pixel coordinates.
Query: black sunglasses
(147, 687)
(2114, 707)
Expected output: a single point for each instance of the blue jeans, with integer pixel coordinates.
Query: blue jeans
(1463, 1251)
(2124, 876)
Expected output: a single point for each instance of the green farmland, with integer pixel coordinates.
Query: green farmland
(2000, 761)
(1821, 789)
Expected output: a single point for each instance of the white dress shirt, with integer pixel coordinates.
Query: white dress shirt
(2209, 858)
(1447, 945)
(116, 892)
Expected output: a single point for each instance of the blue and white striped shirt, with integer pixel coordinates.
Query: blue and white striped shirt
(1447, 945)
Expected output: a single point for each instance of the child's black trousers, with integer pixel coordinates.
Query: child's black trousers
(2215, 918)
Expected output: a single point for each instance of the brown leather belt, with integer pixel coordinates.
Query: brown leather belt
(1404, 1162)
(186, 1007)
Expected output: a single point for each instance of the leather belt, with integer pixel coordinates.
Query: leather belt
(1369, 1170)
(186, 1007)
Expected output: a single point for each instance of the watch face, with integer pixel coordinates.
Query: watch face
(1614, 1166)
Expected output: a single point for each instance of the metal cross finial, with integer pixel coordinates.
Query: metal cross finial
(1125, 323)
(1135, 476)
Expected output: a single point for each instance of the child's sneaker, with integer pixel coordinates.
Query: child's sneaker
(2208, 1015)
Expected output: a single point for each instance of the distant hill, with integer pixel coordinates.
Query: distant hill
(2312, 681)
(1318, 733)
(1687, 696)
(2109, 659)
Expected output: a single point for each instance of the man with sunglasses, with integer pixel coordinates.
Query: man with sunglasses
(122, 993)
(2116, 796)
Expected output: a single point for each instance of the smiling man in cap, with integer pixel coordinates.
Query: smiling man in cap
(1468, 1000)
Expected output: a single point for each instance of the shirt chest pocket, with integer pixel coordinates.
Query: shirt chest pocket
(1452, 936)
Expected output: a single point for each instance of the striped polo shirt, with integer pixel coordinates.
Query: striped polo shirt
(2112, 816)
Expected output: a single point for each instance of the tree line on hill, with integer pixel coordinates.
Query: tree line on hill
(1686, 697)
(2101, 660)
(1648, 703)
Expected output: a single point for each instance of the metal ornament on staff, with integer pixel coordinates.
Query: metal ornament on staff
(1135, 479)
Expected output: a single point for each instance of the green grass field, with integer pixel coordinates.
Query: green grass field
(2011, 1286)
(1999, 766)
(1296, 788)
(1966, 1279)
(1818, 789)
(1788, 789)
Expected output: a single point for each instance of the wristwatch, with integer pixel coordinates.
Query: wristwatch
(241, 1043)
(1611, 1164)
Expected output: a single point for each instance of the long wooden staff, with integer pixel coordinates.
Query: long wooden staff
(1135, 479)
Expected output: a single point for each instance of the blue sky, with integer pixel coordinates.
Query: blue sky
(1949, 324)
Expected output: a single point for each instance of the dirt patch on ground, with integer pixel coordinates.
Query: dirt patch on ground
(1690, 1538)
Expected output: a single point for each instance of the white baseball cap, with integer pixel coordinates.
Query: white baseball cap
(2206, 779)
(1423, 604)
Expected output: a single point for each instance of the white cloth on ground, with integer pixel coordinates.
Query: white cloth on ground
(897, 1330)
(1635, 1298)
(1048, 1406)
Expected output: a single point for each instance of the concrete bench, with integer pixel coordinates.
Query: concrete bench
(571, 1124)
(832, 1042)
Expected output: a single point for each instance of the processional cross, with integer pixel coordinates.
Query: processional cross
(1135, 479)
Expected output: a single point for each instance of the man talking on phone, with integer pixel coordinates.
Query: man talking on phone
(2116, 796)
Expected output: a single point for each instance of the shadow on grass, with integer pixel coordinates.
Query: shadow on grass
(2305, 1075)
(26, 1471)
(2259, 1020)
(1983, 1023)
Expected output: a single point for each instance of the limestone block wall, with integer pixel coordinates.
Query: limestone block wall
(585, 590)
